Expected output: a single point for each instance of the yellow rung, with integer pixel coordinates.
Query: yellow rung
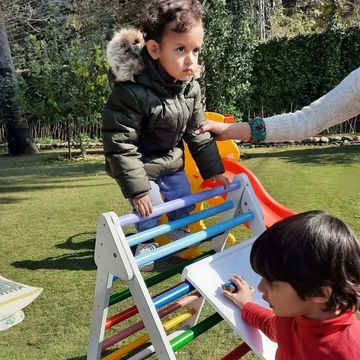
(178, 319)
(145, 338)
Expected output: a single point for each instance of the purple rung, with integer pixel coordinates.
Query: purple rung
(172, 205)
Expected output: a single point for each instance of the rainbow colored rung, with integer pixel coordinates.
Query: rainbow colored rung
(140, 325)
(177, 224)
(150, 282)
(145, 338)
(192, 239)
(159, 301)
(172, 205)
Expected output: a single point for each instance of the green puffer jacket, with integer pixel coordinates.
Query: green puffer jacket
(145, 120)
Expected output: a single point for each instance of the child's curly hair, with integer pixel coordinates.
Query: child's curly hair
(309, 251)
(158, 14)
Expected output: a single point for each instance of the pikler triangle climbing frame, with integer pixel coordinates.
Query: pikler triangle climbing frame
(115, 260)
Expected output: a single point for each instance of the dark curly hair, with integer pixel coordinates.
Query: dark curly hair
(157, 14)
(311, 250)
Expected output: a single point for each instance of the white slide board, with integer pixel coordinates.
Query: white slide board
(208, 274)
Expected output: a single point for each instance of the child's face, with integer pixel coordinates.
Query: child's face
(284, 300)
(178, 52)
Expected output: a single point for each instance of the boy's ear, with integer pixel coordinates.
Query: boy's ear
(324, 298)
(153, 48)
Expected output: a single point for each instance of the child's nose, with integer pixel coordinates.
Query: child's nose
(190, 59)
(261, 286)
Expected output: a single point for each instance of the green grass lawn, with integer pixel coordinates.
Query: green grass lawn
(48, 213)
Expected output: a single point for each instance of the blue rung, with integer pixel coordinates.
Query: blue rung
(177, 224)
(192, 239)
(173, 294)
(172, 205)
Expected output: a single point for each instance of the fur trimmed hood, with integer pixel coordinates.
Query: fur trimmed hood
(124, 54)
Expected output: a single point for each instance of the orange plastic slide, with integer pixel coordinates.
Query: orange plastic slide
(273, 211)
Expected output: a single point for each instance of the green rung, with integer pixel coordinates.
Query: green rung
(195, 331)
(125, 293)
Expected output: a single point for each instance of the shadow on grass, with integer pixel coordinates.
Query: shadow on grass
(10, 200)
(43, 172)
(319, 155)
(17, 189)
(73, 244)
(80, 260)
(83, 245)
(46, 166)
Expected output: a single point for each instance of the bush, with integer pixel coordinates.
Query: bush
(65, 84)
(291, 73)
(228, 48)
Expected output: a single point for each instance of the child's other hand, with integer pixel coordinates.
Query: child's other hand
(244, 293)
(223, 179)
(143, 206)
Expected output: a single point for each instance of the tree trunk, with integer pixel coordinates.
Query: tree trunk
(20, 141)
(68, 136)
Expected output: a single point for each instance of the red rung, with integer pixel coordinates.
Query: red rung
(237, 353)
(128, 313)
(113, 320)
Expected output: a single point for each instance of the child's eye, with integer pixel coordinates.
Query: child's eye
(181, 49)
(196, 50)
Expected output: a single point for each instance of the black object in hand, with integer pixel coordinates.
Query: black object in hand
(229, 286)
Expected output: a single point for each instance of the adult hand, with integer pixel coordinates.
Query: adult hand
(143, 206)
(223, 179)
(239, 131)
(243, 294)
(216, 128)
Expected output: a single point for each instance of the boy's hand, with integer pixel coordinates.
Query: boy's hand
(244, 293)
(143, 206)
(223, 179)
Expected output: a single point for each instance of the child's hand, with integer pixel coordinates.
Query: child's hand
(223, 179)
(143, 206)
(243, 294)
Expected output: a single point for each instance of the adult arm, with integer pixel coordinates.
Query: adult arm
(340, 104)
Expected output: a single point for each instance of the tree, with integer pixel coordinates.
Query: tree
(20, 141)
(228, 48)
(65, 84)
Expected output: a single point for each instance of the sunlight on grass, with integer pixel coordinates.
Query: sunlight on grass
(48, 213)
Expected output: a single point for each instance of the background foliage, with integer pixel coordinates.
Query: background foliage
(290, 73)
(65, 85)
(228, 48)
(58, 49)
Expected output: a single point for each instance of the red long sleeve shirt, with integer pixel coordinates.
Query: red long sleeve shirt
(300, 338)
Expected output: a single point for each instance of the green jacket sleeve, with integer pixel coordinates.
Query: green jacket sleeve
(202, 147)
(121, 130)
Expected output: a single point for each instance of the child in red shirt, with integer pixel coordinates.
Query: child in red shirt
(310, 268)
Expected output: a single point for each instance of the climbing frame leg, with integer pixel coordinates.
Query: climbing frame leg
(99, 313)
